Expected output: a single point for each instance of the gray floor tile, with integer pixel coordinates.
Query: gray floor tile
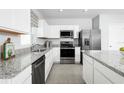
(65, 74)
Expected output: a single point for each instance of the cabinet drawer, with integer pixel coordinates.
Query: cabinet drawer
(89, 59)
(22, 76)
(99, 78)
(108, 73)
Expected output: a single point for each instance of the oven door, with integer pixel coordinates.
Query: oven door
(67, 55)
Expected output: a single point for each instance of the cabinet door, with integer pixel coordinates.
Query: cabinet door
(108, 73)
(48, 63)
(99, 78)
(54, 32)
(58, 54)
(28, 80)
(77, 54)
(76, 31)
(87, 71)
(40, 32)
(6, 18)
(22, 76)
(21, 20)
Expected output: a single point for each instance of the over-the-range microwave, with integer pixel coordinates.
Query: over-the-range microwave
(66, 34)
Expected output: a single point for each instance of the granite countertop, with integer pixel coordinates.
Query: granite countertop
(12, 67)
(114, 60)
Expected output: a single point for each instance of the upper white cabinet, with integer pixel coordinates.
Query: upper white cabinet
(75, 28)
(40, 32)
(54, 31)
(21, 20)
(16, 19)
(6, 18)
(43, 29)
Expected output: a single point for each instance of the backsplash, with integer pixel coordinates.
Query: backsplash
(14, 38)
(56, 41)
(23, 50)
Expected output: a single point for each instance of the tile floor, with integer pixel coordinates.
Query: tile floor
(65, 74)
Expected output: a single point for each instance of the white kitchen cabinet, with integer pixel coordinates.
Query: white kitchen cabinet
(56, 55)
(76, 31)
(107, 73)
(54, 31)
(23, 76)
(43, 29)
(22, 20)
(5, 81)
(40, 32)
(6, 18)
(28, 80)
(77, 54)
(75, 28)
(48, 62)
(87, 69)
(16, 19)
(99, 78)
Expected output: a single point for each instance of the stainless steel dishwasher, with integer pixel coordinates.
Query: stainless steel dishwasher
(38, 71)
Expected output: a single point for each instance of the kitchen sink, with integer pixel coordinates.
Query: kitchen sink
(39, 50)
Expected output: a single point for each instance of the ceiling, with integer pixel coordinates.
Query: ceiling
(77, 13)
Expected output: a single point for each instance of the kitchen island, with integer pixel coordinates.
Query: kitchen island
(103, 67)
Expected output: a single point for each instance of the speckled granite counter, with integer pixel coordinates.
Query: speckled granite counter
(12, 67)
(114, 60)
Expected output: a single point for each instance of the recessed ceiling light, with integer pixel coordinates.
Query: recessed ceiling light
(61, 10)
(85, 10)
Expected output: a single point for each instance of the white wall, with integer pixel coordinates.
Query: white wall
(105, 22)
(84, 23)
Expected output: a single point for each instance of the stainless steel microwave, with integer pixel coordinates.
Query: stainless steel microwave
(66, 34)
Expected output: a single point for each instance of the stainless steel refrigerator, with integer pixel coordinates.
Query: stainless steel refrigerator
(89, 40)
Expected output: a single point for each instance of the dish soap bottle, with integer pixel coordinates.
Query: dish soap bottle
(8, 49)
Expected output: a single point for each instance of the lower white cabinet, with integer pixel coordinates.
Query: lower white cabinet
(96, 73)
(99, 78)
(28, 80)
(52, 56)
(108, 74)
(77, 54)
(56, 54)
(23, 76)
(48, 62)
(87, 69)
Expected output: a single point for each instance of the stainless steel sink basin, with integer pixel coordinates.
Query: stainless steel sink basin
(39, 50)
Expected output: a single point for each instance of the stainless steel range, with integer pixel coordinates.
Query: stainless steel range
(67, 52)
